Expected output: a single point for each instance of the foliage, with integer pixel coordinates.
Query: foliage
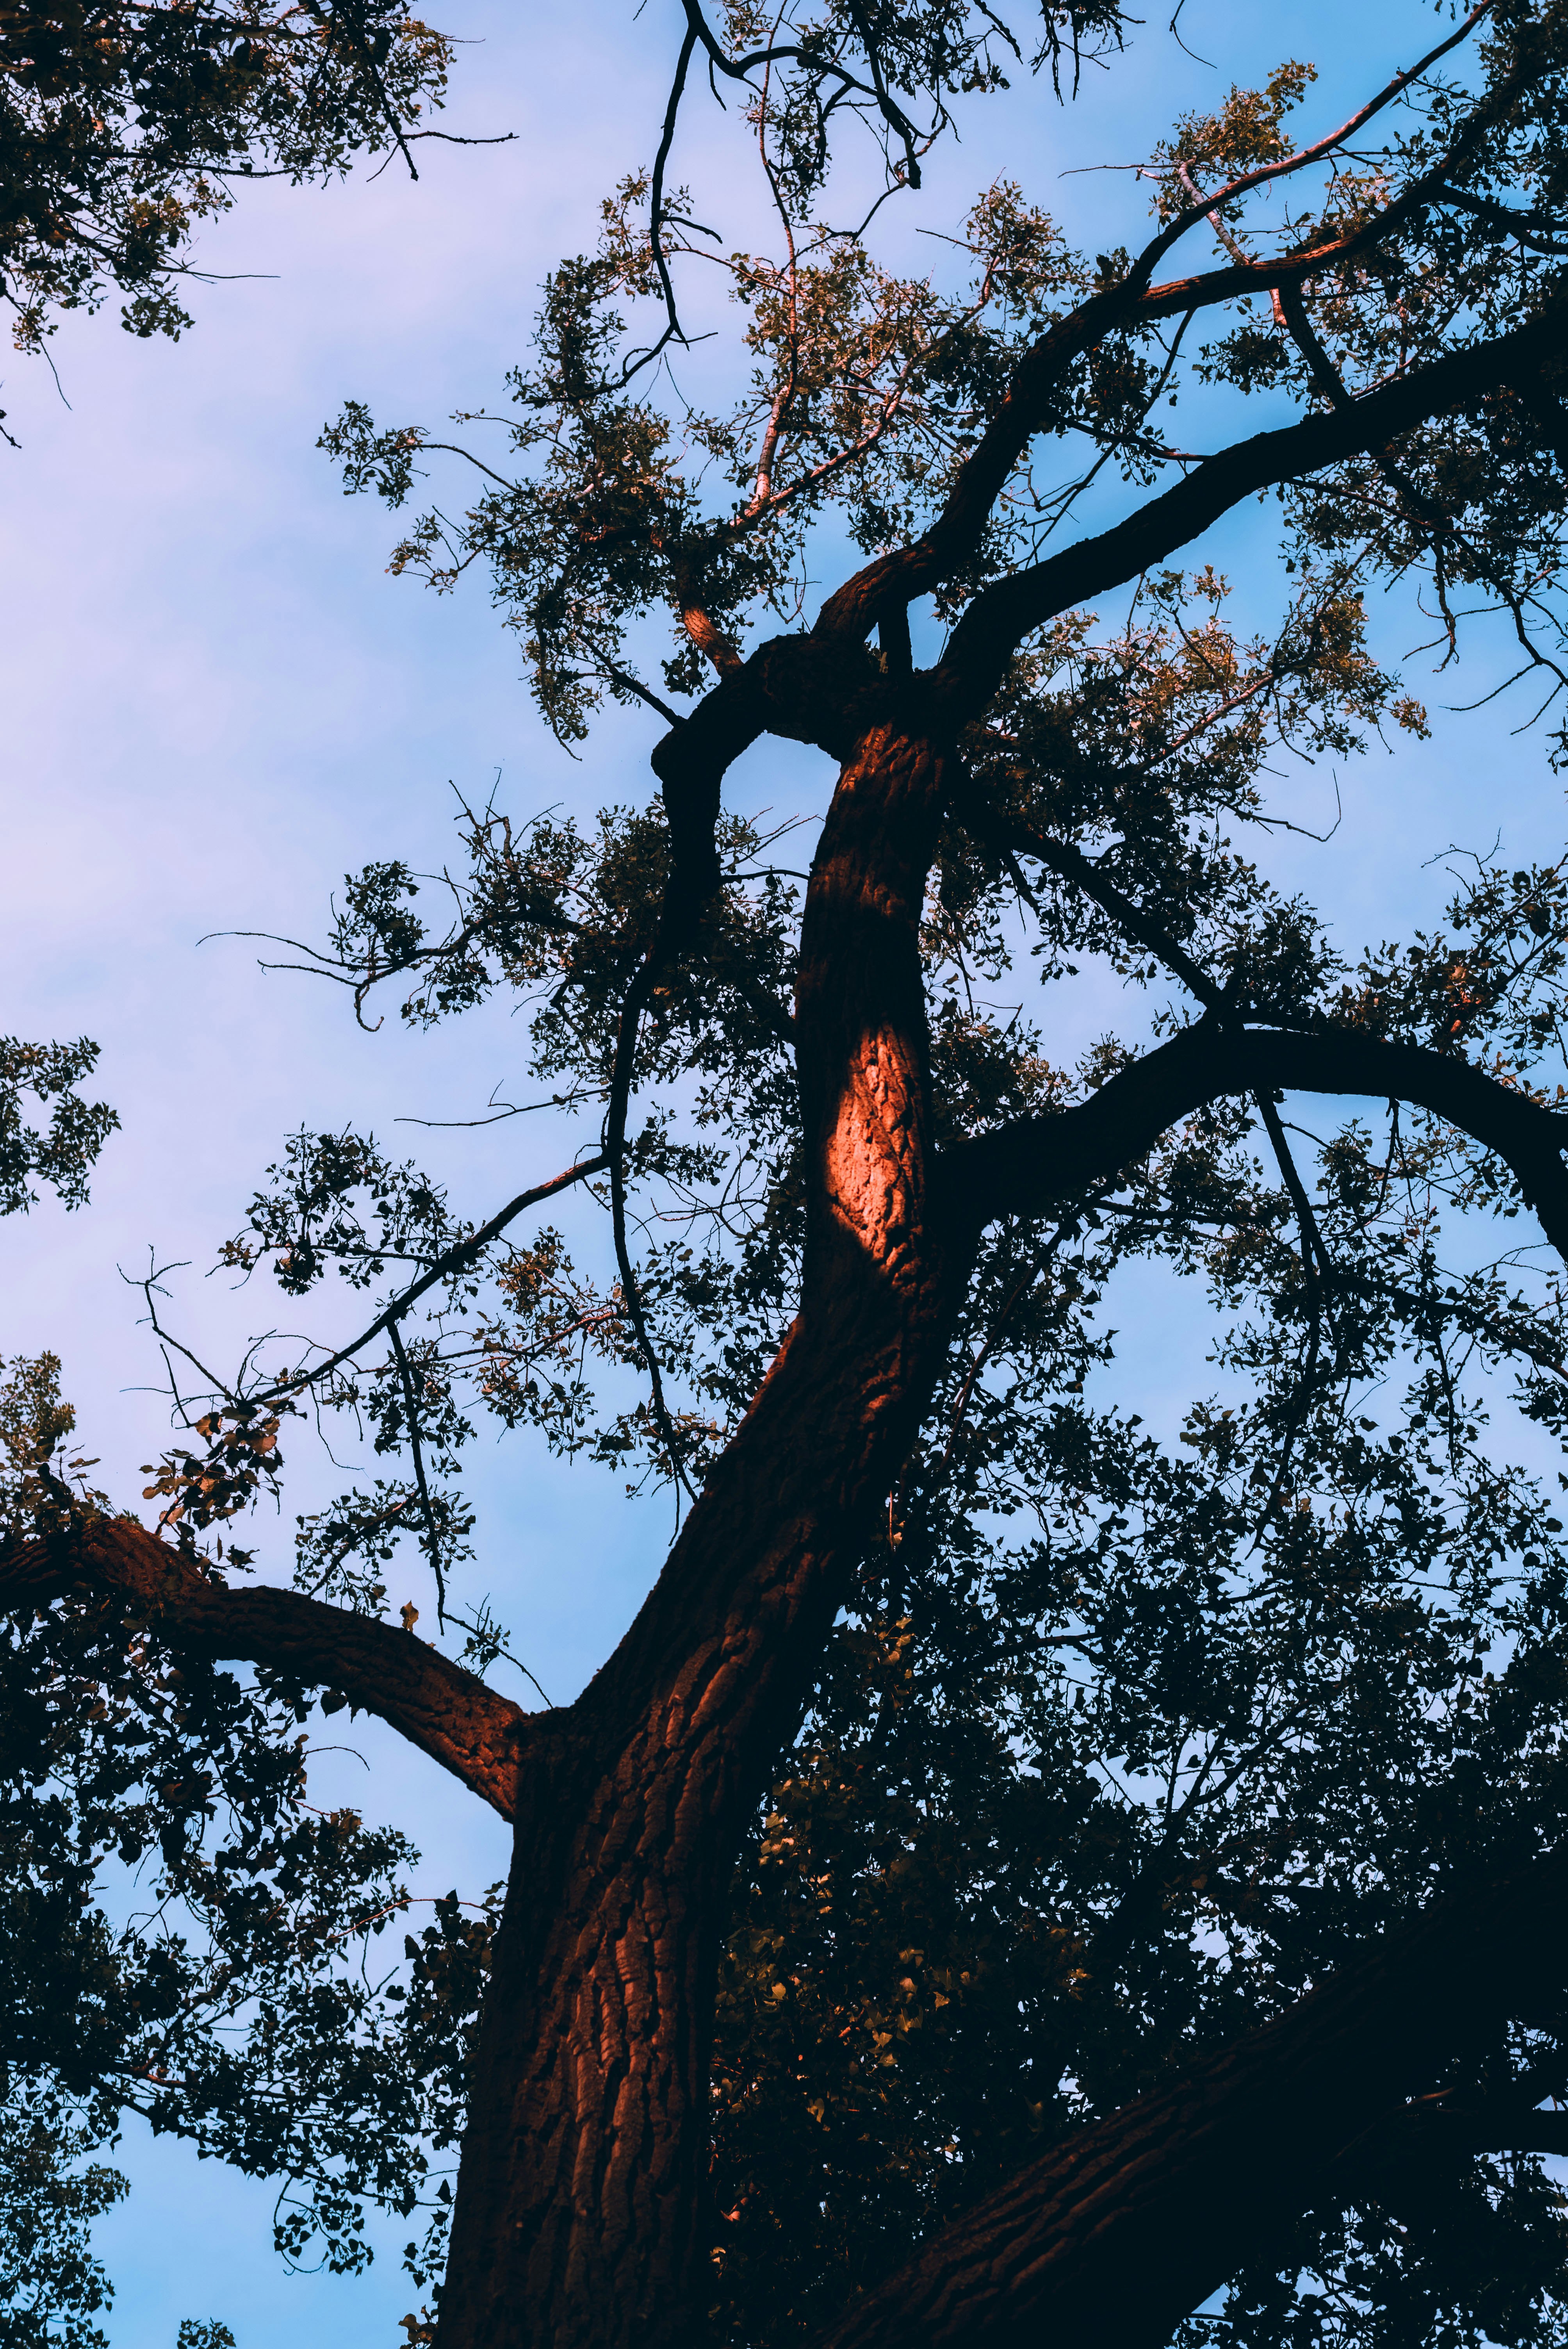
(121, 127)
(50, 2285)
(185, 1936)
(65, 1156)
(1075, 1799)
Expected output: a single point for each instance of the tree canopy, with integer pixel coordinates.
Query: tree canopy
(1028, 1864)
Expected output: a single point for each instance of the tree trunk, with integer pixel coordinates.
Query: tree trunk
(580, 2215)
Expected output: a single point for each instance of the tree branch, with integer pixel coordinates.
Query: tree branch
(907, 572)
(1067, 861)
(795, 687)
(1002, 615)
(691, 762)
(451, 1260)
(1040, 1163)
(1495, 2125)
(1539, 231)
(447, 1711)
(1070, 861)
(1320, 148)
(1147, 2212)
(740, 68)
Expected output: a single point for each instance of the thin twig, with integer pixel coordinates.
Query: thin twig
(637, 996)
(411, 1409)
(463, 1252)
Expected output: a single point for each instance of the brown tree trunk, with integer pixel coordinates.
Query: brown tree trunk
(580, 2215)
(581, 2218)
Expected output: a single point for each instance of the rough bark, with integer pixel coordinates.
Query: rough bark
(447, 1713)
(581, 2212)
(581, 2216)
(1116, 2235)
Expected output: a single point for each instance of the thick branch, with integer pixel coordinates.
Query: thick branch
(1116, 2235)
(1042, 1162)
(691, 763)
(1490, 2127)
(1540, 231)
(436, 1704)
(1024, 410)
(1002, 615)
(791, 686)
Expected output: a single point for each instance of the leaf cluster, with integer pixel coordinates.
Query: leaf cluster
(64, 1154)
(187, 1938)
(123, 123)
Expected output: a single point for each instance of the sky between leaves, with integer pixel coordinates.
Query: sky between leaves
(216, 703)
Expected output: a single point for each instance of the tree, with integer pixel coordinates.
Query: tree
(122, 126)
(1231, 1787)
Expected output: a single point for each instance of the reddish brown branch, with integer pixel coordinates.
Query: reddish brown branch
(446, 1712)
(1024, 410)
(1319, 150)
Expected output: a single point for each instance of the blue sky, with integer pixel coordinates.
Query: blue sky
(216, 702)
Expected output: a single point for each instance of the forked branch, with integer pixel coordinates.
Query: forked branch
(1002, 615)
(910, 571)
